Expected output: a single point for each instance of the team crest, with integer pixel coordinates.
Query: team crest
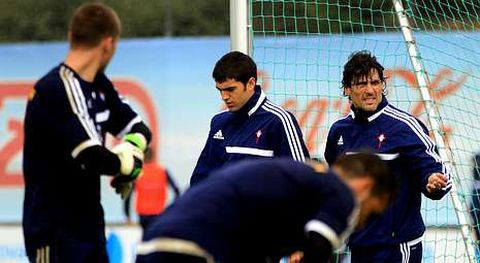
(381, 138)
(258, 134)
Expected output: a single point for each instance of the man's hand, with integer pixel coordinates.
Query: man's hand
(121, 187)
(131, 163)
(296, 257)
(436, 181)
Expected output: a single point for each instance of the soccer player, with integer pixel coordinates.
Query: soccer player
(252, 127)
(68, 114)
(258, 210)
(402, 141)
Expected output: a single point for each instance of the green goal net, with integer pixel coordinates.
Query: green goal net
(301, 46)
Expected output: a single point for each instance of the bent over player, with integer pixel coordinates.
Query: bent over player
(259, 210)
(402, 141)
(68, 115)
(252, 127)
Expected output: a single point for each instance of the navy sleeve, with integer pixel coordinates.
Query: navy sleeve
(422, 154)
(318, 249)
(203, 167)
(121, 117)
(290, 139)
(336, 219)
(141, 128)
(331, 147)
(99, 160)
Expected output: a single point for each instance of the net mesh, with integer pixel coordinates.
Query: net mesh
(301, 46)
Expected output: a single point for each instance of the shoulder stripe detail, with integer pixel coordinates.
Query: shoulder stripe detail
(82, 109)
(83, 102)
(415, 127)
(259, 102)
(66, 76)
(290, 130)
(82, 146)
(287, 128)
(413, 124)
(129, 126)
(294, 154)
(77, 107)
(374, 116)
(249, 150)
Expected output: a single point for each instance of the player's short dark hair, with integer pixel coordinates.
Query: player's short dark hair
(358, 66)
(91, 23)
(369, 164)
(235, 65)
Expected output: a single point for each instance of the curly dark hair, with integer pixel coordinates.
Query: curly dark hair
(358, 66)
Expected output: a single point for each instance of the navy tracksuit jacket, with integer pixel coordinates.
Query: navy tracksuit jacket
(403, 142)
(260, 129)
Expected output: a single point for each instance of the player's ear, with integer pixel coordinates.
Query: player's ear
(347, 90)
(108, 43)
(251, 84)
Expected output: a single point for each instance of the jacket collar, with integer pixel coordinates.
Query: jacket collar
(253, 103)
(363, 116)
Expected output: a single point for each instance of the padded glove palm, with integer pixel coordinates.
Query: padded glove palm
(131, 155)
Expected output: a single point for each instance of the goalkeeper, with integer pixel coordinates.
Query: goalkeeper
(68, 115)
(402, 141)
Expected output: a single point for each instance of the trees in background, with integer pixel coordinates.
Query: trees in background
(43, 20)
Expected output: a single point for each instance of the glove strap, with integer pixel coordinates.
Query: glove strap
(137, 139)
(137, 169)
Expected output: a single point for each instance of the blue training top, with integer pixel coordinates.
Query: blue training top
(260, 129)
(254, 209)
(65, 115)
(403, 142)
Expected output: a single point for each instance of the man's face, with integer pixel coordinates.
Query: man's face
(370, 207)
(234, 93)
(366, 93)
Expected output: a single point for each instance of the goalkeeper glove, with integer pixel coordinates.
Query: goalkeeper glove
(137, 139)
(131, 162)
(131, 155)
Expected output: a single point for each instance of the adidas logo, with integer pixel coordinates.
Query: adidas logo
(340, 141)
(218, 135)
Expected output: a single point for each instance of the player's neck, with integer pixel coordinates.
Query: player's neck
(84, 62)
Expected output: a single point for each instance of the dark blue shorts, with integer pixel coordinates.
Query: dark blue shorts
(407, 252)
(72, 251)
(168, 257)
